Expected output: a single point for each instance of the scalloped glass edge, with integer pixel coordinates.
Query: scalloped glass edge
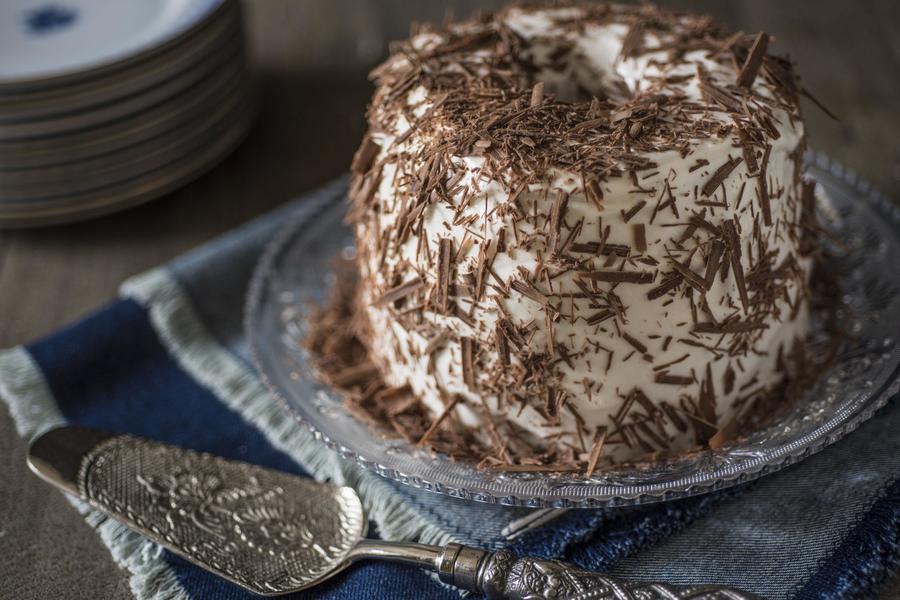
(866, 376)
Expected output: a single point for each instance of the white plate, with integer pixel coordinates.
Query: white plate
(196, 76)
(177, 112)
(41, 185)
(133, 77)
(41, 39)
(137, 191)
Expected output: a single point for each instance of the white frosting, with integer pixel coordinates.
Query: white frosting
(401, 351)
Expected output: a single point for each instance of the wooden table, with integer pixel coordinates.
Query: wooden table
(311, 58)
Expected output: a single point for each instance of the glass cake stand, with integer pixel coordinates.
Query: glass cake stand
(294, 273)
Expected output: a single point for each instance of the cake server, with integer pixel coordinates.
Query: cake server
(272, 533)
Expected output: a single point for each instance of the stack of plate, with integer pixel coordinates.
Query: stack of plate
(107, 104)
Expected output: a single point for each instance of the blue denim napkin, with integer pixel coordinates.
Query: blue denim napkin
(168, 361)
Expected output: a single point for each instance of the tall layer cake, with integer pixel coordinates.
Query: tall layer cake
(583, 230)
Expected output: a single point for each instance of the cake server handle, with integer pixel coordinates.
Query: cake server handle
(501, 575)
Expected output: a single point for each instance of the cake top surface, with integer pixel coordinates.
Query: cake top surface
(588, 89)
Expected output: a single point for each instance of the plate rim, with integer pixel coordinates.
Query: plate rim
(107, 138)
(142, 189)
(115, 110)
(55, 183)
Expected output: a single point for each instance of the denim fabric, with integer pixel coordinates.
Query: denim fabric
(778, 533)
(866, 557)
(110, 371)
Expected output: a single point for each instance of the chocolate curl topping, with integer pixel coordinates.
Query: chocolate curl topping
(754, 60)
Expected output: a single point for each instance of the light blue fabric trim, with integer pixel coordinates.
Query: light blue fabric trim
(34, 411)
(26, 393)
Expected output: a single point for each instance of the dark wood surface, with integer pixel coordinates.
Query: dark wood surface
(311, 58)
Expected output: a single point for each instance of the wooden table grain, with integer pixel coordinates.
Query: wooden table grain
(311, 59)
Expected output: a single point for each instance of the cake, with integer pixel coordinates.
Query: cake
(583, 232)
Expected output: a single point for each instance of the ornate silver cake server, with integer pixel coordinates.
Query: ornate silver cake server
(272, 533)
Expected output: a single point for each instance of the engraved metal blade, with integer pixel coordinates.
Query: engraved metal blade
(268, 532)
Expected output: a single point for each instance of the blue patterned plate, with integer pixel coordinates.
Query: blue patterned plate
(46, 42)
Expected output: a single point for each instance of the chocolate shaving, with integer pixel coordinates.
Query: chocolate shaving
(720, 175)
(649, 433)
(668, 284)
(673, 416)
(669, 379)
(466, 348)
(638, 233)
(713, 93)
(635, 343)
(632, 41)
(734, 250)
(748, 150)
(627, 216)
(707, 402)
(364, 156)
(436, 342)
(698, 164)
(664, 366)
(808, 237)
(350, 376)
(557, 217)
(502, 346)
(600, 249)
(639, 277)
(596, 450)
(819, 104)
(731, 327)
(437, 422)
(399, 292)
(594, 193)
(764, 187)
(747, 74)
(700, 223)
(599, 317)
(445, 251)
(511, 332)
(712, 263)
(724, 435)
(691, 278)
(728, 379)
(644, 401)
(529, 291)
